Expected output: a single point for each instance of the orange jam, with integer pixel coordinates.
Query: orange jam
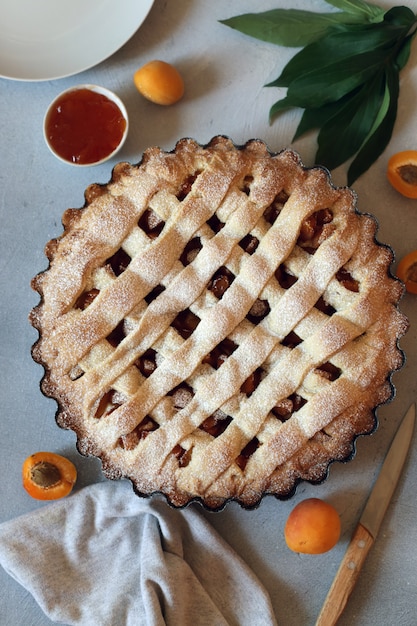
(84, 126)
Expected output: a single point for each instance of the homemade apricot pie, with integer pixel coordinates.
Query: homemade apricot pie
(218, 323)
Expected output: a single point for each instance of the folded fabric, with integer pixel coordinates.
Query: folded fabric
(104, 557)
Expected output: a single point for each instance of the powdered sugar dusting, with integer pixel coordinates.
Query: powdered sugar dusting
(217, 323)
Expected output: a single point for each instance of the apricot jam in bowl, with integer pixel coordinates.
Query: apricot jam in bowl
(85, 125)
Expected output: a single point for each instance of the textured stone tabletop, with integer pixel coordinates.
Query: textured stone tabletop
(225, 73)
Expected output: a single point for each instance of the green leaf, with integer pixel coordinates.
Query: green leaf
(400, 16)
(383, 109)
(331, 83)
(342, 135)
(403, 54)
(278, 107)
(314, 118)
(345, 77)
(380, 137)
(335, 46)
(372, 12)
(288, 27)
(317, 117)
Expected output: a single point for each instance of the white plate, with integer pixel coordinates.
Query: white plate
(47, 39)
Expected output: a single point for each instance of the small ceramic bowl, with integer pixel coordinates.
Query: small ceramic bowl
(85, 125)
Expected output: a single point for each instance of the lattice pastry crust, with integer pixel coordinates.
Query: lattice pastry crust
(218, 323)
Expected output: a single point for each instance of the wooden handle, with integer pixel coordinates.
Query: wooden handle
(346, 577)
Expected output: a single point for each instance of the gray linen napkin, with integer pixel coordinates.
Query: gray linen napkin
(104, 557)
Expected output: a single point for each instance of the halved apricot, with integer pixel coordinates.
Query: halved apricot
(402, 172)
(48, 476)
(407, 271)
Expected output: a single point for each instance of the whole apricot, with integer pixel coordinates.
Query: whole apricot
(312, 527)
(159, 82)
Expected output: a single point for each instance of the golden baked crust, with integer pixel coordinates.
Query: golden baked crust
(218, 323)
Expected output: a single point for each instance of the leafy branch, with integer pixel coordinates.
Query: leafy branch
(345, 77)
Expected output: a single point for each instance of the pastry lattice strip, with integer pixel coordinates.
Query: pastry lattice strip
(162, 381)
(184, 280)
